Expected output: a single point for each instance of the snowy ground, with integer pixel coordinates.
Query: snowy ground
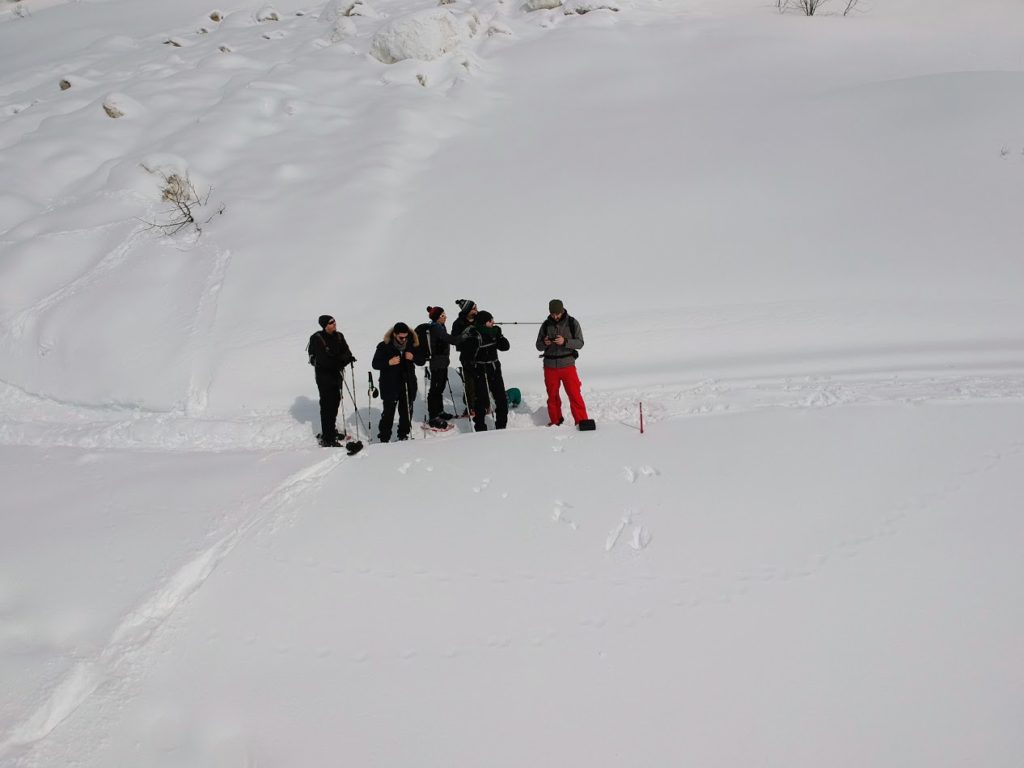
(795, 240)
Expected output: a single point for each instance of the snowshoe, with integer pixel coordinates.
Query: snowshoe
(437, 424)
(587, 425)
(446, 416)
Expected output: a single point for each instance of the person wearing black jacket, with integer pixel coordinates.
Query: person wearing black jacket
(437, 346)
(396, 359)
(330, 354)
(479, 345)
(467, 311)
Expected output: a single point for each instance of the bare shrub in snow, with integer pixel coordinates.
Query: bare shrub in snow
(267, 13)
(216, 16)
(186, 203)
(64, 85)
(811, 7)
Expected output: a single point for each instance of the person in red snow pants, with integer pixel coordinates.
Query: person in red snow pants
(559, 341)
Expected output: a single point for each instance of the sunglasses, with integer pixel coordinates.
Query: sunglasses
(332, 323)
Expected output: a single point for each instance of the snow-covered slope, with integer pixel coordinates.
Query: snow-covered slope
(795, 240)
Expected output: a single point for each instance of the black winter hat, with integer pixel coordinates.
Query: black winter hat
(466, 304)
(482, 317)
(324, 320)
(400, 328)
(434, 313)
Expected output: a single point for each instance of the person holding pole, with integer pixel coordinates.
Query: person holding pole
(395, 358)
(559, 340)
(329, 354)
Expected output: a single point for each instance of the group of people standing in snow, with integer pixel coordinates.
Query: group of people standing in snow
(477, 339)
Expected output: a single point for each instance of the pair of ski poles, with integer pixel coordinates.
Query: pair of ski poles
(356, 445)
(372, 392)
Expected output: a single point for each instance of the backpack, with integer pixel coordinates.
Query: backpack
(423, 331)
(311, 356)
(574, 329)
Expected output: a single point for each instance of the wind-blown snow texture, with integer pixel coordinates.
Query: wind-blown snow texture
(795, 240)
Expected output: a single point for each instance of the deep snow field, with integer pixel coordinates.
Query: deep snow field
(795, 240)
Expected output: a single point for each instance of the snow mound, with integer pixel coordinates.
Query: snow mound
(425, 35)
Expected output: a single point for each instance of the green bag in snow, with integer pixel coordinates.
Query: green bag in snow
(515, 397)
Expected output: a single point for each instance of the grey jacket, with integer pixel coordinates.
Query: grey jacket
(560, 356)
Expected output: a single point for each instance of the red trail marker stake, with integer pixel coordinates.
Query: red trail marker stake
(641, 418)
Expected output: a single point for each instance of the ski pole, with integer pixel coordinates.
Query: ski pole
(641, 418)
(370, 394)
(426, 386)
(408, 402)
(518, 322)
(359, 417)
(341, 396)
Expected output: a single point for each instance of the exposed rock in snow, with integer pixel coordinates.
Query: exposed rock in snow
(425, 35)
(586, 6)
(118, 105)
(335, 9)
(267, 13)
(541, 5)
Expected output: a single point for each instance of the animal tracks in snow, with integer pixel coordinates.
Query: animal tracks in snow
(639, 536)
(632, 475)
(559, 516)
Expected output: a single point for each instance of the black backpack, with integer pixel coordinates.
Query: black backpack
(426, 341)
(310, 355)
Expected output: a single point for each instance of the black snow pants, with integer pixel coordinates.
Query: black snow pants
(329, 384)
(487, 376)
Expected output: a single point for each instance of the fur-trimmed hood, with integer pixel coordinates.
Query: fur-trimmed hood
(413, 336)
